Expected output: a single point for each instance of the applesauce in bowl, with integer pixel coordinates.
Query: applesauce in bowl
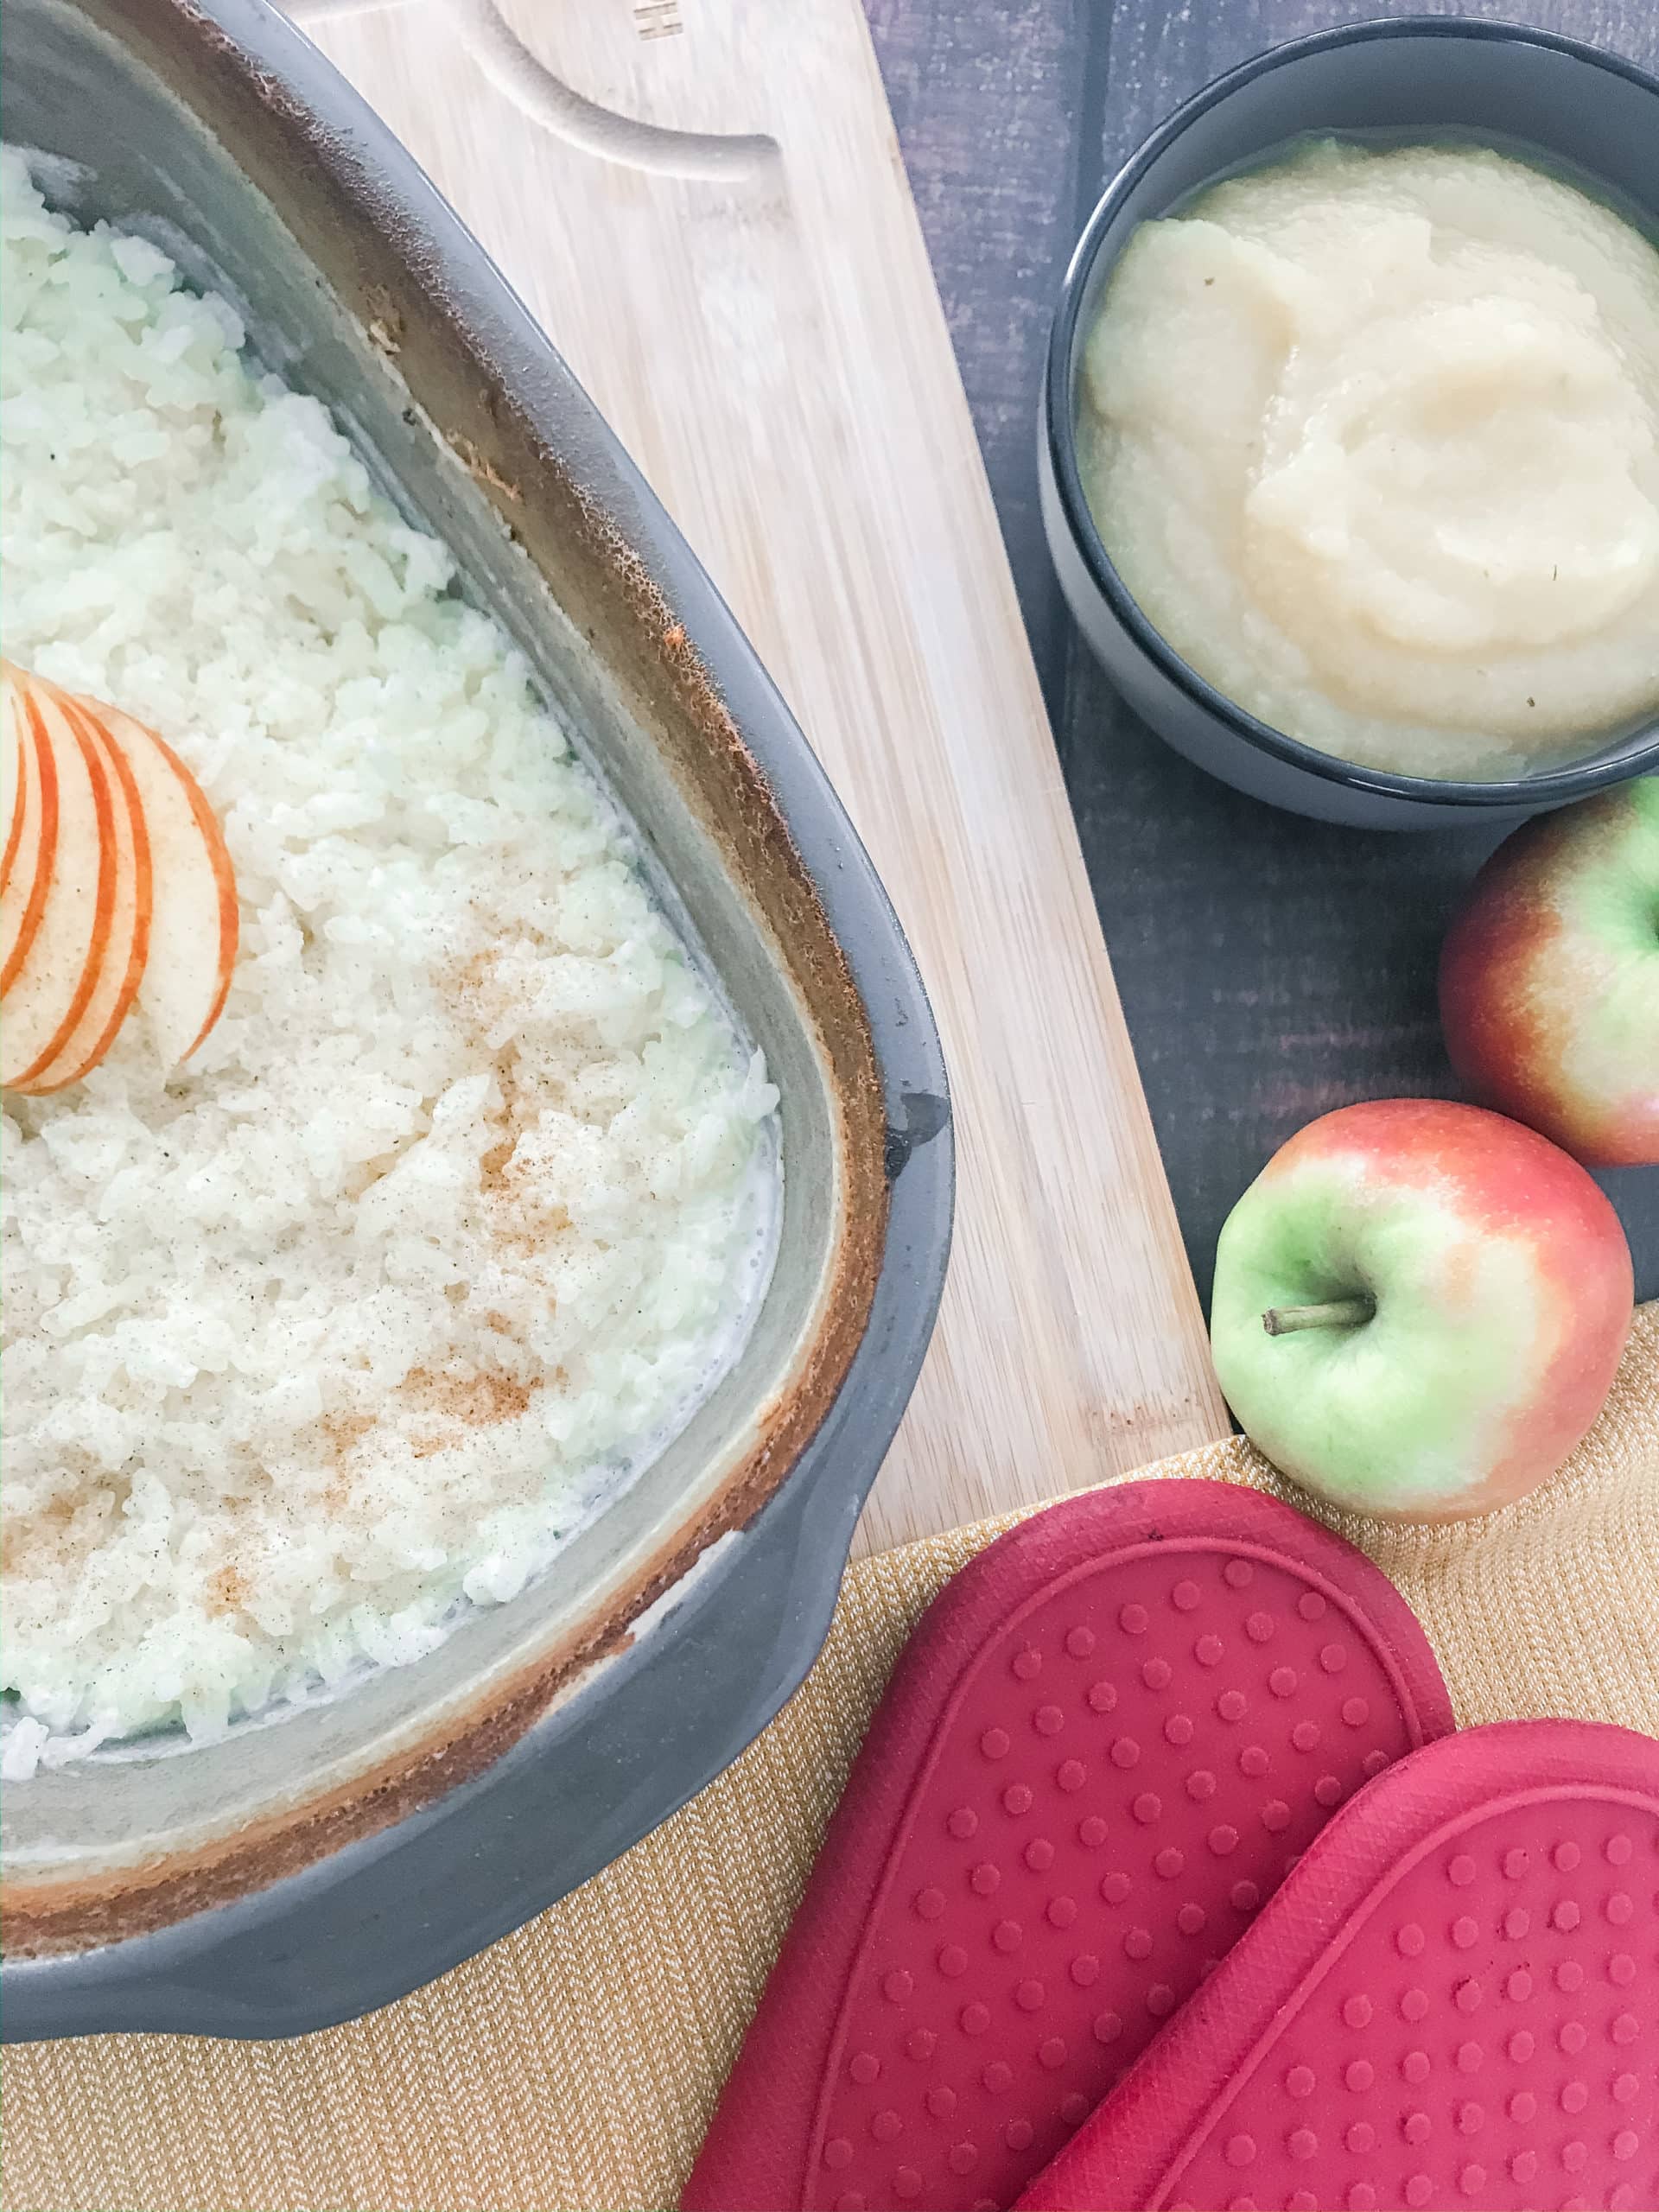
(1333, 519)
(1372, 434)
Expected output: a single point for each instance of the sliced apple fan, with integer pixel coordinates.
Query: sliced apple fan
(115, 888)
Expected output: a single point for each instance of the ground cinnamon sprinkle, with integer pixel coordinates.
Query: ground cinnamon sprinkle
(56, 1514)
(343, 1430)
(229, 1589)
(478, 1399)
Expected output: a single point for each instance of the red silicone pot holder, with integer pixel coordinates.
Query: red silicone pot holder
(1454, 2002)
(1107, 1739)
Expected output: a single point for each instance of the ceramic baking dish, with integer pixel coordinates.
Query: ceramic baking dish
(301, 1871)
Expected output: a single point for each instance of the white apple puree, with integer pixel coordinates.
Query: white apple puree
(1372, 437)
(471, 1194)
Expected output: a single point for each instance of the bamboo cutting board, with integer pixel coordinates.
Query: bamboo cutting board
(703, 202)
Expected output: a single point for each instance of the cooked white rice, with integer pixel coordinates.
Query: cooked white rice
(452, 1213)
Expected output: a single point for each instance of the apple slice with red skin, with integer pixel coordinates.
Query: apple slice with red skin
(59, 972)
(24, 897)
(193, 921)
(127, 948)
(50, 725)
(115, 888)
(13, 788)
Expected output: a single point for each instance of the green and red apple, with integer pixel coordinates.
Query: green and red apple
(1418, 1308)
(1549, 978)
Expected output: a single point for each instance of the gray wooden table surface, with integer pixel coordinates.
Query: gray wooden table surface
(1270, 967)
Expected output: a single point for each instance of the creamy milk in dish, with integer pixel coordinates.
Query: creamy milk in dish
(1372, 437)
(466, 1194)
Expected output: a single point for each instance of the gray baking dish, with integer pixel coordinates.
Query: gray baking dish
(299, 1872)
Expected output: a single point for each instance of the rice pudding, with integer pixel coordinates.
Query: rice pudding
(1371, 436)
(467, 1196)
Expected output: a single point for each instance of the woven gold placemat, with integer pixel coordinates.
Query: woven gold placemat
(573, 2067)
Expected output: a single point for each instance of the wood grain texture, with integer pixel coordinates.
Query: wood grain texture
(703, 201)
(992, 104)
(1270, 967)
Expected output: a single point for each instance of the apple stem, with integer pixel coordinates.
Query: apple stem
(1335, 1313)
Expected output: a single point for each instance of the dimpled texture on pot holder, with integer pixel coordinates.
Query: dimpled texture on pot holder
(1453, 2001)
(1108, 1739)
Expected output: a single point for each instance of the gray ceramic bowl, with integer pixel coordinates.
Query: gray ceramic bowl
(300, 1872)
(1579, 109)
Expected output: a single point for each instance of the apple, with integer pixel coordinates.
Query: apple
(1549, 978)
(126, 945)
(194, 925)
(58, 971)
(1418, 1308)
(35, 798)
(115, 888)
(14, 792)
